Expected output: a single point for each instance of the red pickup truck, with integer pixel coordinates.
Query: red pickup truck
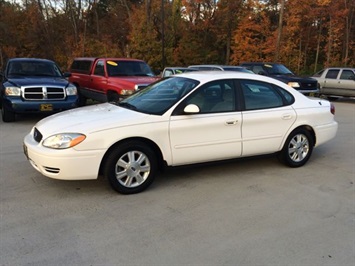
(109, 79)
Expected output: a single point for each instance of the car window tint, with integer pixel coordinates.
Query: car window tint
(258, 69)
(216, 96)
(318, 74)
(347, 74)
(332, 74)
(168, 73)
(289, 99)
(81, 66)
(260, 95)
(99, 68)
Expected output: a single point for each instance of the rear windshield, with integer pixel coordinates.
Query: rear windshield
(81, 66)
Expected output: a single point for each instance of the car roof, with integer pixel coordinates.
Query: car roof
(29, 59)
(107, 58)
(260, 63)
(344, 68)
(218, 66)
(177, 67)
(206, 76)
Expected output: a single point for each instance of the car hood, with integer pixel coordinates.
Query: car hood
(30, 81)
(91, 119)
(135, 79)
(290, 78)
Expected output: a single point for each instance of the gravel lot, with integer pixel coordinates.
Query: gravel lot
(241, 212)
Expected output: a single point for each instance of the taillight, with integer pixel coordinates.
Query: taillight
(332, 108)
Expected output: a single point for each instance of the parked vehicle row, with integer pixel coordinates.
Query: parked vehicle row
(193, 117)
(32, 85)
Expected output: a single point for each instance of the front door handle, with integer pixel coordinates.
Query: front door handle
(231, 122)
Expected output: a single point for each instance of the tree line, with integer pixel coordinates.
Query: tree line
(305, 35)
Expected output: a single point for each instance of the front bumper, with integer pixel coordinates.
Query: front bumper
(18, 105)
(66, 164)
(312, 92)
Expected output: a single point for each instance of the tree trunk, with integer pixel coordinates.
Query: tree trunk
(278, 42)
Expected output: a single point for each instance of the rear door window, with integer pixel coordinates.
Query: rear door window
(332, 74)
(261, 95)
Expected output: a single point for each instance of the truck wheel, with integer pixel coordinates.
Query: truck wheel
(113, 97)
(7, 115)
(82, 100)
(130, 167)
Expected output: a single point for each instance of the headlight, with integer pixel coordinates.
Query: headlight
(294, 84)
(13, 91)
(71, 90)
(63, 141)
(127, 92)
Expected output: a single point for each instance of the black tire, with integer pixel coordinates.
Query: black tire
(332, 98)
(113, 96)
(297, 149)
(130, 167)
(82, 99)
(7, 115)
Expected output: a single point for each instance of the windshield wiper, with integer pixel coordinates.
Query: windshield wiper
(44, 75)
(17, 74)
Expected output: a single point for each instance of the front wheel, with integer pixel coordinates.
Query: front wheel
(297, 149)
(130, 167)
(7, 115)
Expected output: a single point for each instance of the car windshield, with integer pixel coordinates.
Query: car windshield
(158, 97)
(121, 68)
(33, 68)
(277, 69)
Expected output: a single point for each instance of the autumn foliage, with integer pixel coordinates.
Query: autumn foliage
(305, 35)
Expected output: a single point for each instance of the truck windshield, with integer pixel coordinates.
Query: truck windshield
(128, 68)
(277, 69)
(158, 97)
(33, 68)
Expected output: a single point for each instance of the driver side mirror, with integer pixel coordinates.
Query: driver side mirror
(191, 109)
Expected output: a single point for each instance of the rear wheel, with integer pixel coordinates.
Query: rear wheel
(297, 149)
(131, 167)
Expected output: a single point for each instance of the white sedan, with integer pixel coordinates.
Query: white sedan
(189, 118)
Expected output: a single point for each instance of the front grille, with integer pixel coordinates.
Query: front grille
(37, 135)
(43, 93)
(309, 86)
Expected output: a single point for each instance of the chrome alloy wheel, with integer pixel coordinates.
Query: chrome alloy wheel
(298, 148)
(132, 169)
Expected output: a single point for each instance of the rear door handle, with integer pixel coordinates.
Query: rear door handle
(231, 122)
(286, 116)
